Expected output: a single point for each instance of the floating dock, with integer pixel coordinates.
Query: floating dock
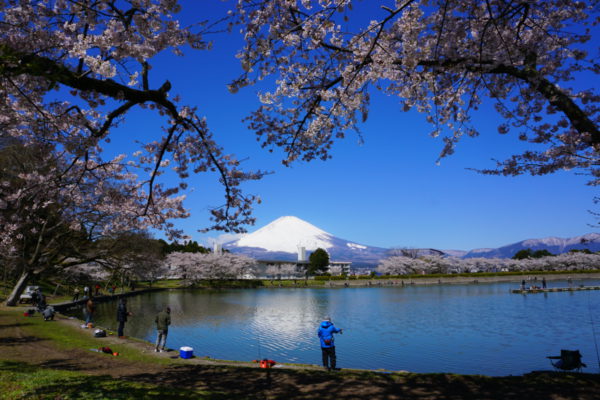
(556, 289)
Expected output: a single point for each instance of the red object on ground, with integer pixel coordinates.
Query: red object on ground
(266, 363)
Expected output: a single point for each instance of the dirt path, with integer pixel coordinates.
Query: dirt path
(250, 382)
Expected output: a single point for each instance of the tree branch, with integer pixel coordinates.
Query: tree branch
(556, 97)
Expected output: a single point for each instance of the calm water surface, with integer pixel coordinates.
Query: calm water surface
(467, 329)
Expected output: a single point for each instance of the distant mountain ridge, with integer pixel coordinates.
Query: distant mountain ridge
(280, 240)
(554, 245)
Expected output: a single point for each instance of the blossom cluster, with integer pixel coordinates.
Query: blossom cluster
(443, 58)
(199, 266)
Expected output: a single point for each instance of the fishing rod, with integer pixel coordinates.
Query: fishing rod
(593, 329)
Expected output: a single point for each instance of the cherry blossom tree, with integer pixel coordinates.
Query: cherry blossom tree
(290, 271)
(401, 265)
(211, 266)
(131, 256)
(53, 225)
(534, 60)
(71, 71)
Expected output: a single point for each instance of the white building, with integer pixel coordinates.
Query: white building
(280, 269)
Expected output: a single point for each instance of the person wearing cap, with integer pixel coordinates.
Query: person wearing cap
(163, 320)
(325, 333)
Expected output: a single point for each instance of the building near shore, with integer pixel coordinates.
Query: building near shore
(285, 269)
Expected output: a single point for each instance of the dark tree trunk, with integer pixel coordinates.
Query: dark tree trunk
(13, 299)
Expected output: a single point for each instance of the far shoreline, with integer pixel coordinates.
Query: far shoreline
(474, 279)
(337, 283)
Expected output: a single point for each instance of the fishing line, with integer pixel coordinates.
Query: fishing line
(593, 329)
(258, 332)
(258, 338)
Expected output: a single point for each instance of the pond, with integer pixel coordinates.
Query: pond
(466, 329)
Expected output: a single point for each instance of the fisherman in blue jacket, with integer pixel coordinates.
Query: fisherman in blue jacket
(325, 333)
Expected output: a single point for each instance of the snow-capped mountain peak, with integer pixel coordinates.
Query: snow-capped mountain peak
(287, 234)
(281, 239)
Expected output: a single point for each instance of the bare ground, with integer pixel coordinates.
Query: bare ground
(247, 381)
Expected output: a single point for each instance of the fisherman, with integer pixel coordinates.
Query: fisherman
(325, 333)
(163, 320)
(122, 315)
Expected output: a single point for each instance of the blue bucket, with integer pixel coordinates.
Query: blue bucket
(186, 352)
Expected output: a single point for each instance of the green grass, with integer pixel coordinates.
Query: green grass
(65, 337)
(20, 380)
(164, 284)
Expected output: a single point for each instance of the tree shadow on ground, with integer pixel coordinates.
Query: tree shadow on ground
(255, 383)
(62, 379)
(57, 386)
(17, 325)
(17, 341)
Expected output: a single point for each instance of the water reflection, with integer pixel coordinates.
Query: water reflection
(475, 328)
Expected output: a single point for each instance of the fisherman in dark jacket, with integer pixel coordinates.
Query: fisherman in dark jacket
(122, 315)
(325, 333)
(163, 320)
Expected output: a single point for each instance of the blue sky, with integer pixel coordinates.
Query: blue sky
(387, 192)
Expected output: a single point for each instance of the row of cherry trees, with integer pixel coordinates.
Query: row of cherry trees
(198, 266)
(194, 267)
(399, 265)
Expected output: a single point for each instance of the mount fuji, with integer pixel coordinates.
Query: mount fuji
(281, 239)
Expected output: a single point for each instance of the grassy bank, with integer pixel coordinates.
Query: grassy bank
(26, 380)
